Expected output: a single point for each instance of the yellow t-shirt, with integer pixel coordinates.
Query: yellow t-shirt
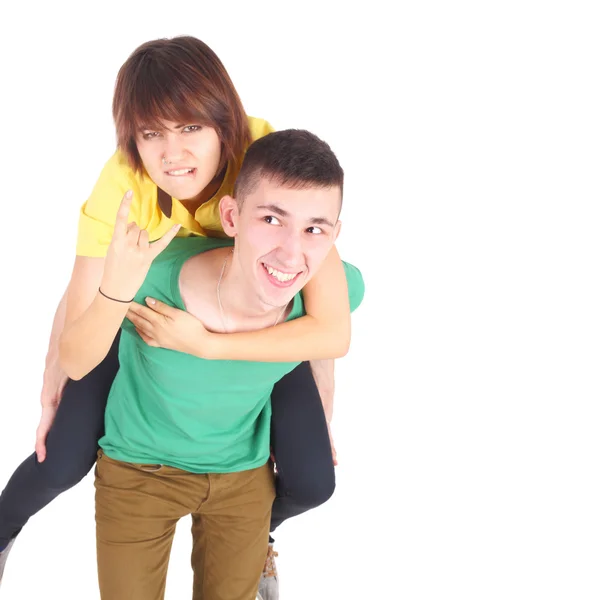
(98, 214)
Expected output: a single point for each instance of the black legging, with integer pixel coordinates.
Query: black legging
(299, 440)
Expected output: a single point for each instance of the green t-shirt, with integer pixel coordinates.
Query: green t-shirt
(171, 408)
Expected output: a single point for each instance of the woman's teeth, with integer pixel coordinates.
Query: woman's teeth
(180, 172)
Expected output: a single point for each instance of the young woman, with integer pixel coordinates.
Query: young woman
(182, 133)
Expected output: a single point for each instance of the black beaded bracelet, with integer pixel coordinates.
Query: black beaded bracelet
(115, 299)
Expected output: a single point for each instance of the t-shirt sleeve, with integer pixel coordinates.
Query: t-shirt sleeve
(356, 285)
(259, 128)
(268, 128)
(98, 214)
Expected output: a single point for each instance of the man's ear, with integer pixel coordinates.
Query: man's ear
(336, 230)
(229, 211)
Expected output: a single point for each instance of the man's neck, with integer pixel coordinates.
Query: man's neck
(239, 308)
(239, 301)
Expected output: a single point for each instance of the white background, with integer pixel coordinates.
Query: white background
(467, 409)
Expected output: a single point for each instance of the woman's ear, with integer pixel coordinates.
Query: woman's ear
(229, 212)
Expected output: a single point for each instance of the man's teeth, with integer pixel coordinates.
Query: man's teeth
(181, 172)
(283, 277)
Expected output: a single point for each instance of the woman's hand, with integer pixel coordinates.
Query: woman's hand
(55, 380)
(130, 255)
(163, 326)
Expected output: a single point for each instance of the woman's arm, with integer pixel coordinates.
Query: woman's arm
(323, 373)
(91, 321)
(55, 380)
(94, 317)
(323, 333)
(54, 377)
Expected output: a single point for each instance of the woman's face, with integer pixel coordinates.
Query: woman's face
(182, 159)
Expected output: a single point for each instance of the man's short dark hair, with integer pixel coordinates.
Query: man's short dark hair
(292, 158)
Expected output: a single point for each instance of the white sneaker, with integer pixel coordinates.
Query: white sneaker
(268, 588)
(4, 556)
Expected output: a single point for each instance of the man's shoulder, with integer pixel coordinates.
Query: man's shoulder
(182, 249)
(197, 244)
(356, 291)
(167, 267)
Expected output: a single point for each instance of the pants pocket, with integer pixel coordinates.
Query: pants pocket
(148, 468)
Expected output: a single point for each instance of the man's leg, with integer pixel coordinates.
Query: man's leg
(72, 445)
(137, 509)
(231, 531)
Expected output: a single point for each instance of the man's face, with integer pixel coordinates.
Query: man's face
(191, 156)
(282, 237)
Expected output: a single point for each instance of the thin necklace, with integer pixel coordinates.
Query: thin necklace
(219, 298)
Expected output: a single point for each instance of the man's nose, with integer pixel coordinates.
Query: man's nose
(291, 249)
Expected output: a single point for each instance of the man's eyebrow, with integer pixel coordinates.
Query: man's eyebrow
(274, 208)
(283, 213)
(321, 221)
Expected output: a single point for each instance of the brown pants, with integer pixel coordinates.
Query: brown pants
(137, 508)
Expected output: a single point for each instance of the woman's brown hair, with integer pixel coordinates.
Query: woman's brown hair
(181, 80)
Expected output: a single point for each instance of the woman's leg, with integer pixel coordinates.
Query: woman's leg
(300, 442)
(72, 445)
(301, 446)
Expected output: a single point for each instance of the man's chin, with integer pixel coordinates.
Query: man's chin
(282, 299)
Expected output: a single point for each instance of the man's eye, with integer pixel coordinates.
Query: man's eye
(315, 230)
(271, 220)
(192, 128)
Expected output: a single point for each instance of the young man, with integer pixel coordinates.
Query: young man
(185, 435)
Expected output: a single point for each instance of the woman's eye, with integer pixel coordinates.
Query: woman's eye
(192, 128)
(271, 220)
(148, 135)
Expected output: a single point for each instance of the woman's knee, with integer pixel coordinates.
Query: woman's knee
(62, 471)
(311, 489)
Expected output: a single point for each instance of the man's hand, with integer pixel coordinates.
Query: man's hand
(130, 254)
(163, 326)
(55, 380)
